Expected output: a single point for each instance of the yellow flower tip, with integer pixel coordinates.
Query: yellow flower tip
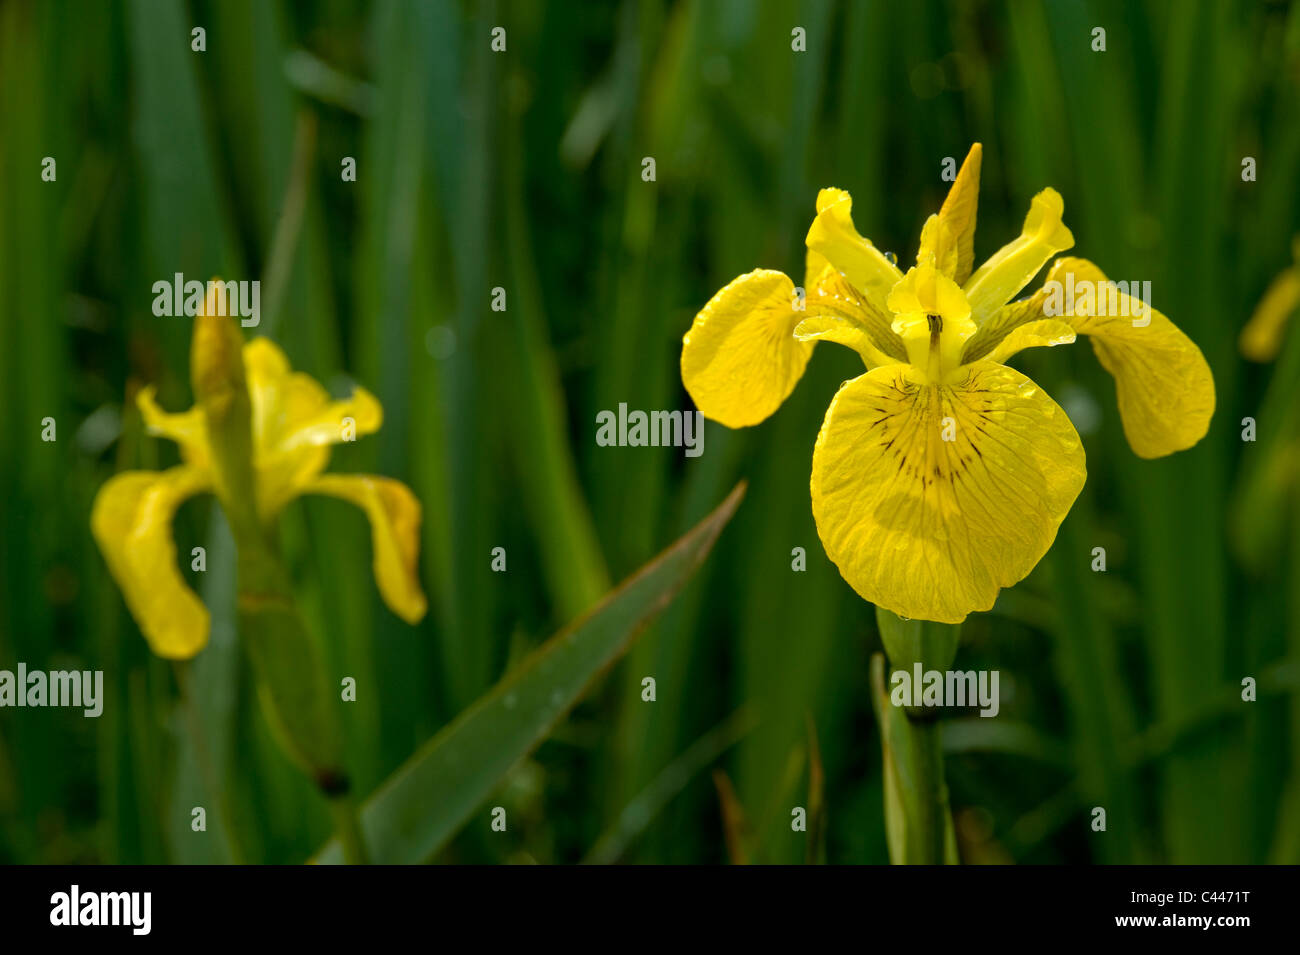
(366, 411)
(265, 362)
(829, 196)
(1261, 339)
(954, 241)
(1044, 221)
(146, 399)
(216, 349)
(412, 610)
(835, 239)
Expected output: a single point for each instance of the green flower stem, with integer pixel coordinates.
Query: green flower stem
(918, 820)
(295, 693)
(292, 684)
(347, 823)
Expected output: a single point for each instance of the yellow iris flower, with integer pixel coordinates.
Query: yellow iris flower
(941, 475)
(289, 425)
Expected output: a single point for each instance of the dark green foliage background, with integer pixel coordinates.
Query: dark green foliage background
(523, 170)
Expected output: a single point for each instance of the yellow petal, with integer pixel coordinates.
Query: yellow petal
(814, 265)
(335, 421)
(1013, 266)
(929, 528)
(1163, 384)
(740, 359)
(958, 213)
(292, 410)
(1045, 332)
(1261, 339)
(132, 523)
(938, 247)
(926, 291)
(216, 372)
(998, 325)
(842, 331)
(264, 362)
(834, 236)
(188, 428)
(924, 295)
(294, 422)
(394, 514)
(840, 313)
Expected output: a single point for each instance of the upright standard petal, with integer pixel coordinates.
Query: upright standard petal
(834, 236)
(394, 514)
(931, 498)
(291, 410)
(1013, 266)
(1163, 384)
(132, 523)
(959, 210)
(294, 423)
(740, 359)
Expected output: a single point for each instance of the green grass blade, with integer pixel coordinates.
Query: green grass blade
(426, 801)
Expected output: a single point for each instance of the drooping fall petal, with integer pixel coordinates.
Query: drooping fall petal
(931, 528)
(740, 359)
(1163, 384)
(132, 523)
(394, 515)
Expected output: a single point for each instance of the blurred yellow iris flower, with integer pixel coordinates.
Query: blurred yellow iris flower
(1261, 339)
(293, 421)
(941, 475)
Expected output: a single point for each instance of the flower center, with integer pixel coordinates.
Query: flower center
(932, 316)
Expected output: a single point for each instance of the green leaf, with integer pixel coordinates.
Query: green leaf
(429, 798)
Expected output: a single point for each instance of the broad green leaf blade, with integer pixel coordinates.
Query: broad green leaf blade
(427, 800)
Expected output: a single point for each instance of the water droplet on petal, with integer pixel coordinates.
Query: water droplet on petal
(893, 259)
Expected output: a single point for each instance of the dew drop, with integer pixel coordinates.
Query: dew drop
(893, 259)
